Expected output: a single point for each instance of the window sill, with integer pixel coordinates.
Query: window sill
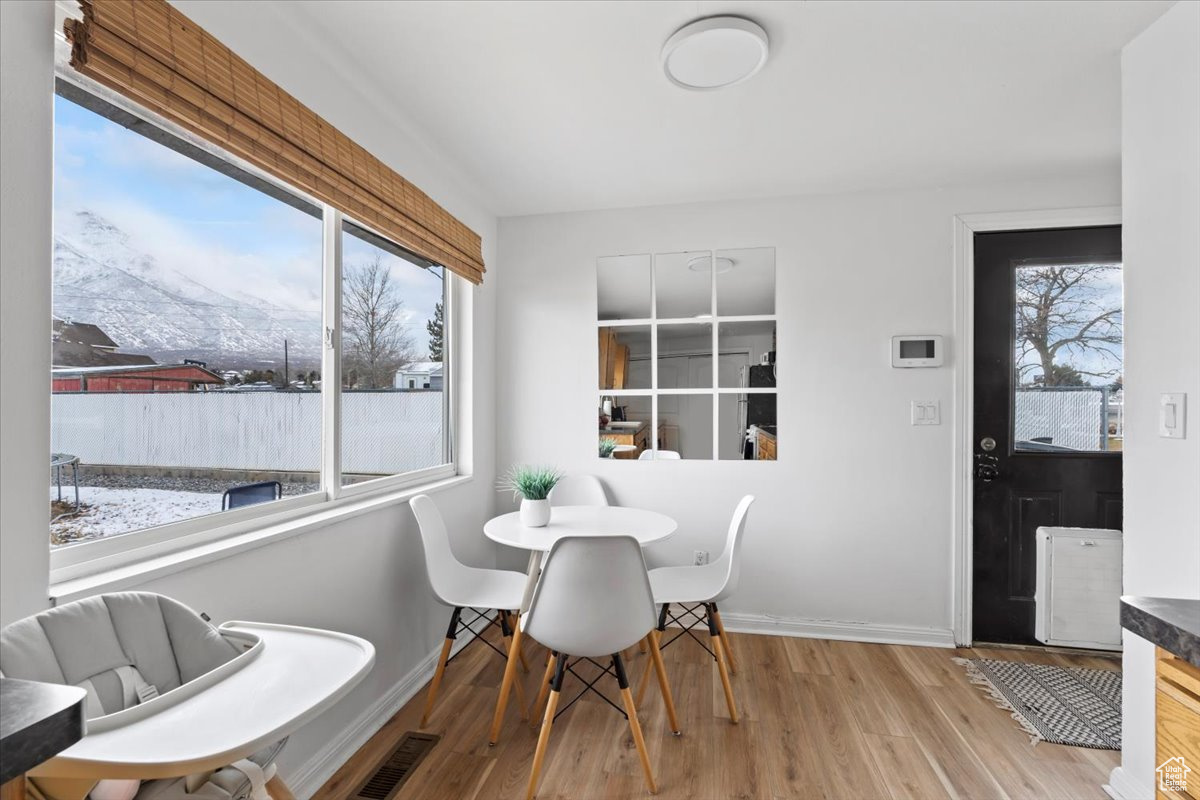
(134, 574)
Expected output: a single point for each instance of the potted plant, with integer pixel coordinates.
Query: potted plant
(532, 485)
(607, 446)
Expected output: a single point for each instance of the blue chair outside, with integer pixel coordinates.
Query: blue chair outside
(251, 494)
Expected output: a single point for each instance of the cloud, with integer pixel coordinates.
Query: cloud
(202, 225)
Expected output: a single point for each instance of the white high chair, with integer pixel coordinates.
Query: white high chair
(177, 708)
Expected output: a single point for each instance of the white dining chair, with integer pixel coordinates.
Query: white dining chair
(659, 455)
(578, 490)
(582, 490)
(492, 595)
(592, 602)
(698, 589)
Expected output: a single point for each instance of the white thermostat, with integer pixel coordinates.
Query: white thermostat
(917, 351)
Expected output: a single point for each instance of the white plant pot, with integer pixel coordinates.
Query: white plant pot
(535, 513)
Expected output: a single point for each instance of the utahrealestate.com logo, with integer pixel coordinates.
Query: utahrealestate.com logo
(1172, 774)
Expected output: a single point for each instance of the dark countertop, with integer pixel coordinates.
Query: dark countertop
(1172, 624)
(625, 430)
(37, 721)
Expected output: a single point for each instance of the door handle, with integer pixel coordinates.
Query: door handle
(987, 467)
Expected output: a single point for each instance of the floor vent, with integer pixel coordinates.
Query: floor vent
(387, 779)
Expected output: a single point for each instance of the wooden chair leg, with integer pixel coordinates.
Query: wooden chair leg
(535, 710)
(512, 623)
(725, 640)
(517, 683)
(279, 790)
(645, 679)
(642, 646)
(663, 685)
(718, 651)
(539, 755)
(436, 682)
(658, 636)
(510, 673)
(451, 632)
(634, 727)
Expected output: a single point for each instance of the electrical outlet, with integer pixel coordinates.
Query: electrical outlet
(699, 558)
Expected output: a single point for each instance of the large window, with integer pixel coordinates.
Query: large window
(195, 320)
(393, 360)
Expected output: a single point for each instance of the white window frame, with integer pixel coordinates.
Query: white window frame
(403, 480)
(653, 321)
(71, 561)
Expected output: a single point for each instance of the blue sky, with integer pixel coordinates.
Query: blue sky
(202, 224)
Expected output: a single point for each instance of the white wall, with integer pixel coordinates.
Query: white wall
(1161, 190)
(364, 575)
(853, 523)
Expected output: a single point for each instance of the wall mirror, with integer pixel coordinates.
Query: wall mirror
(686, 355)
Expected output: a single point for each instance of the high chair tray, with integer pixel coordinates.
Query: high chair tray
(287, 676)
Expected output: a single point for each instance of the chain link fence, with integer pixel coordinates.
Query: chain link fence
(1065, 417)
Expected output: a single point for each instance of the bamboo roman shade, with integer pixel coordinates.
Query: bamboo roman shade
(160, 59)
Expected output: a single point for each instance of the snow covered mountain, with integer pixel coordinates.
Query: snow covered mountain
(146, 306)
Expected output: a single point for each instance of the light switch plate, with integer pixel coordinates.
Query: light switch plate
(1172, 416)
(926, 412)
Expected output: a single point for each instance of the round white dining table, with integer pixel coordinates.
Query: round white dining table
(646, 526)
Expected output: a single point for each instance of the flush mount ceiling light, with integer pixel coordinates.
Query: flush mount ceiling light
(703, 264)
(714, 52)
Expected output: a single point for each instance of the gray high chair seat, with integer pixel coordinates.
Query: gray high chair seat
(123, 649)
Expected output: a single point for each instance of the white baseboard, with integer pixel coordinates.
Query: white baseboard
(1123, 786)
(324, 763)
(847, 631)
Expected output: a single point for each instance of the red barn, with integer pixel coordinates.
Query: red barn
(135, 378)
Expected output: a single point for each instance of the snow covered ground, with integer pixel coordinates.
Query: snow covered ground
(108, 512)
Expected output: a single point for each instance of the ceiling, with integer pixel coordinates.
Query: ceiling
(561, 106)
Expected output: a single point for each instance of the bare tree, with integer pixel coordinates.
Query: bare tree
(1068, 324)
(374, 339)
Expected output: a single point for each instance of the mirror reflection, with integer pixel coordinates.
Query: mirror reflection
(685, 356)
(686, 426)
(746, 281)
(683, 285)
(742, 346)
(625, 428)
(746, 430)
(624, 357)
(623, 287)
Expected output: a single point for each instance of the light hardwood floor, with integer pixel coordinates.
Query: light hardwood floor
(820, 719)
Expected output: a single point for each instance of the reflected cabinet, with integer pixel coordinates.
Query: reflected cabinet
(686, 355)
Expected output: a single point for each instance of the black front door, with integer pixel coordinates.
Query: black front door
(1048, 407)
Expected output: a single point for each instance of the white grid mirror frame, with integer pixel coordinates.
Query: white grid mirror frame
(655, 323)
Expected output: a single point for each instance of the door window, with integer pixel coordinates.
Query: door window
(1068, 357)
